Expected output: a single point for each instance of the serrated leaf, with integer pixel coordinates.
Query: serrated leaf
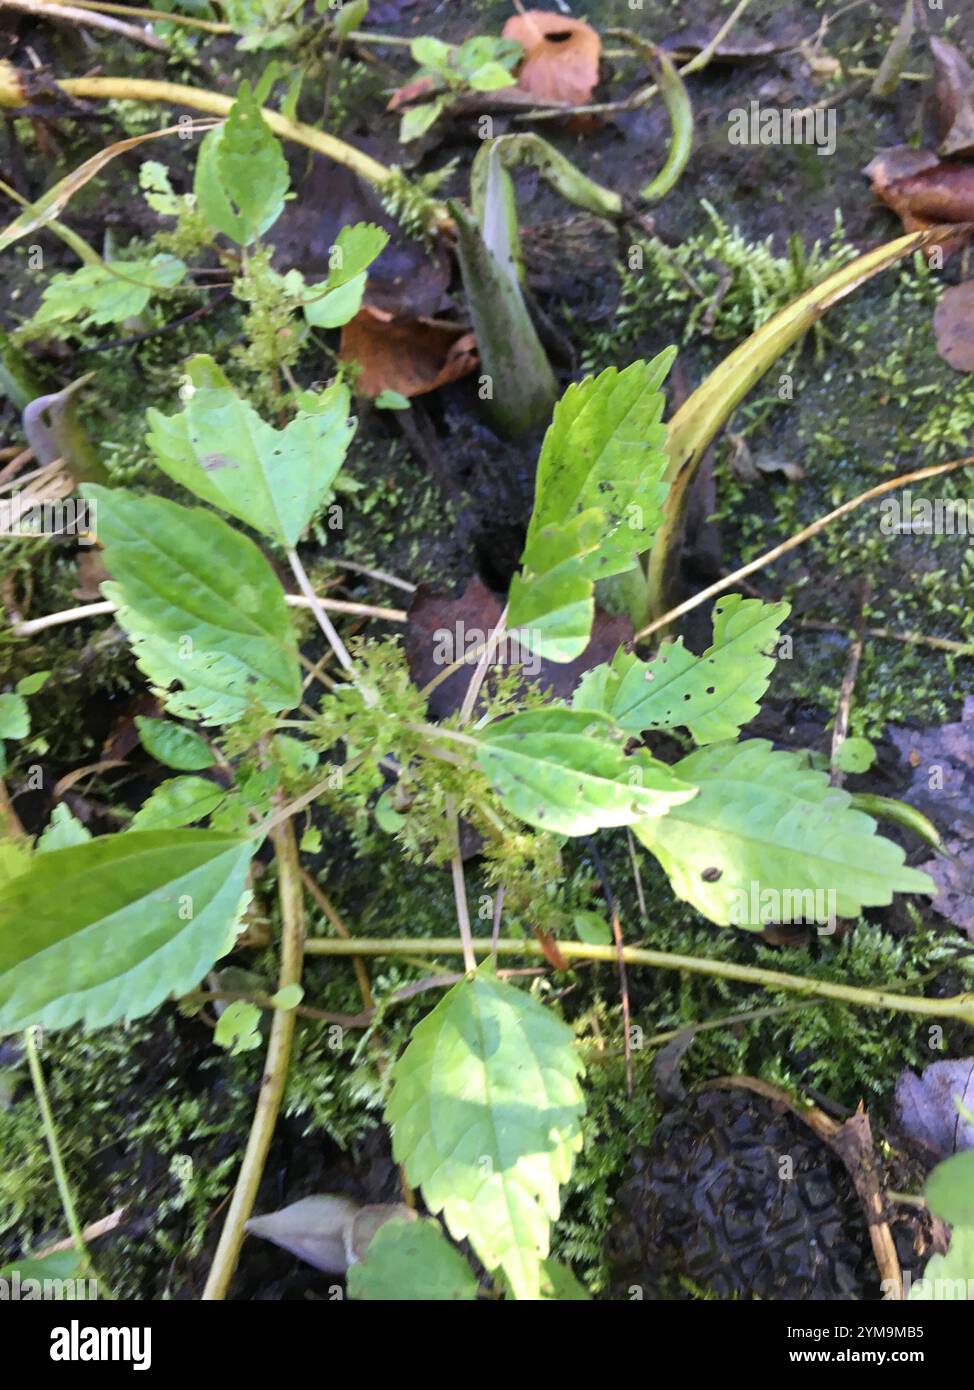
(486, 1113)
(178, 801)
(174, 745)
(949, 1190)
(768, 839)
(566, 771)
(106, 930)
(409, 1261)
(63, 831)
(220, 449)
(201, 605)
(14, 716)
(551, 604)
(241, 173)
(605, 448)
(98, 295)
(713, 695)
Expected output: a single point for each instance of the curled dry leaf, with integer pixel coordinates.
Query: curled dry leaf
(922, 189)
(954, 96)
(411, 356)
(412, 91)
(561, 56)
(926, 1106)
(953, 325)
(326, 1231)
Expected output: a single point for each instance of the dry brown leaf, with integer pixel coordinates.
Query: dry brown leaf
(411, 356)
(954, 95)
(924, 190)
(412, 91)
(953, 324)
(561, 56)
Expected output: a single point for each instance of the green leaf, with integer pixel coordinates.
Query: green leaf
(106, 930)
(769, 840)
(391, 400)
(490, 77)
(288, 997)
(30, 685)
(99, 294)
(201, 605)
(241, 174)
(713, 695)
(178, 801)
(605, 448)
(334, 303)
(949, 1190)
(14, 716)
(593, 928)
(855, 755)
(60, 1264)
(558, 1284)
(417, 120)
(63, 831)
(566, 771)
(431, 53)
(238, 1027)
(411, 1261)
(220, 449)
(551, 604)
(349, 17)
(174, 745)
(949, 1276)
(486, 1113)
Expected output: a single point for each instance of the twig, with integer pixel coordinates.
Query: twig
(70, 14)
(460, 889)
(841, 729)
(276, 1064)
(798, 539)
(98, 610)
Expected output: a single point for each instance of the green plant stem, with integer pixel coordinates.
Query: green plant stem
(291, 897)
(960, 1006)
(57, 1160)
(14, 92)
(676, 99)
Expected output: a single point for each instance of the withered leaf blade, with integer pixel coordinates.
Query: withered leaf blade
(410, 355)
(561, 56)
(327, 1231)
(953, 325)
(926, 1108)
(954, 96)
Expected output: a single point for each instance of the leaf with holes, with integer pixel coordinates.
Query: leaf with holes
(566, 771)
(105, 930)
(768, 839)
(713, 695)
(201, 605)
(486, 1112)
(220, 449)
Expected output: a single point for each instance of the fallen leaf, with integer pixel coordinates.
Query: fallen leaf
(412, 91)
(926, 1109)
(442, 629)
(923, 190)
(736, 47)
(561, 56)
(408, 355)
(953, 325)
(954, 97)
(941, 760)
(667, 1066)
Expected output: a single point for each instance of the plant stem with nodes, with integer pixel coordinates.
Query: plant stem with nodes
(959, 1006)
